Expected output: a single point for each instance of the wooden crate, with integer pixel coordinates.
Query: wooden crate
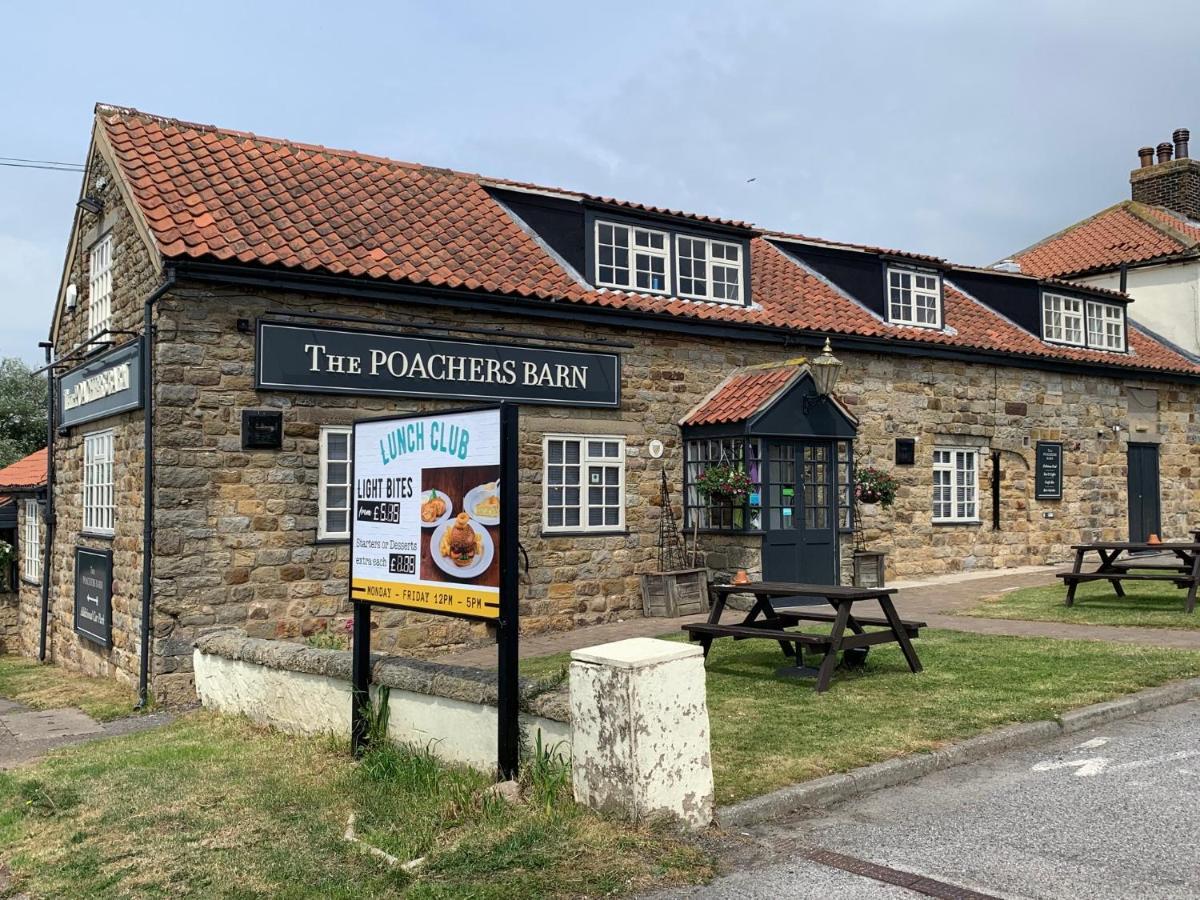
(672, 594)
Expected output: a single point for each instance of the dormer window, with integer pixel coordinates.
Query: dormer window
(914, 298)
(1091, 324)
(709, 270)
(1105, 326)
(632, 258)
(1062, 319)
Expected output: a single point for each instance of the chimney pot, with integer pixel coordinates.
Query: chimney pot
(1180, 137)
(1146, 156)
(1164, 152)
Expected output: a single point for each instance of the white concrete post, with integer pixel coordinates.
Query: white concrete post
(639, 730)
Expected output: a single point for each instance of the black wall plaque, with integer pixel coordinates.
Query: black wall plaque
(906, 451)
(1048, 463)
(93, 595)
(109, 384)
(345, 361)
(262, 429)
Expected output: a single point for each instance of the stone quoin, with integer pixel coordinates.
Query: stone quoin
(325, 286)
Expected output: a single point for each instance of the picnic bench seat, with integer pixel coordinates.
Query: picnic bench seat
(1183, 571)
(847, 634)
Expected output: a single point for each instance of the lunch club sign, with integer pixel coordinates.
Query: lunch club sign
(433, 528)
(346, 361)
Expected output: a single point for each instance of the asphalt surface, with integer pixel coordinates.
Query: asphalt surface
(1113, 812)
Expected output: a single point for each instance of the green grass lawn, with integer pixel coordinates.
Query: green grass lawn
(1149, 604)
(768, 732)
(212, 806)
(48, 687)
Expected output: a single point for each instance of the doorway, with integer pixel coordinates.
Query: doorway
(800, 533)
(1145, 507)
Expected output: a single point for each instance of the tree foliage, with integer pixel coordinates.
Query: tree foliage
(22, 410)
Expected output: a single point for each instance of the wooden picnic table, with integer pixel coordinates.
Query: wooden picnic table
(1183, 570)
(768, 618)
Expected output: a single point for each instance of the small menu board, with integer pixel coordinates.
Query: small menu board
(1048, 470)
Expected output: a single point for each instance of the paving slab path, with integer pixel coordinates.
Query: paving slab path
(934, 600)
(28, 734)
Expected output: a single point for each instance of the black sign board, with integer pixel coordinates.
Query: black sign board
(93, 595)
(344, 361)
(262, 429)
(1048, 470)
(906, 451)
(109, 384)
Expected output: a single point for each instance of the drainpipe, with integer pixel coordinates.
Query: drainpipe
(148, 483)
(51, 387)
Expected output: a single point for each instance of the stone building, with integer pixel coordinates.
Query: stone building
(1147, 246)
(22, 527)
(250, 298)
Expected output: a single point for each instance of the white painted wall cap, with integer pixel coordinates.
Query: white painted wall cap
(636, 652)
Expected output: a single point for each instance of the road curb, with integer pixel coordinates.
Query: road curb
(834, 789)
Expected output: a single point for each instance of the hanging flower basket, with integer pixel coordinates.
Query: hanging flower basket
(874, 486)
(724, 484)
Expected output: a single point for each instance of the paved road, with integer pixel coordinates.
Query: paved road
(1108, 813)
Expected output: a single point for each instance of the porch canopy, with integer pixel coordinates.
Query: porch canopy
(771, 400)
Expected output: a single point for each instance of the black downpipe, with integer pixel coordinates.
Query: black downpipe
(51, 387)
(996, 476)
(1124, 277)
(148, 483)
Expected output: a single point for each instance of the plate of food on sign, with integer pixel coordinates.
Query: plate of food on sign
(436, 508)
(462, 547)
(482, 503)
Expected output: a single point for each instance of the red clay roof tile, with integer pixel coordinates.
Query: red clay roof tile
(1129, 232)
(741, 395)
(306, 207)
(26, 473)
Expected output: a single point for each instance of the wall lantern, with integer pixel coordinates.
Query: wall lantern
(826, 369)
(91, 204)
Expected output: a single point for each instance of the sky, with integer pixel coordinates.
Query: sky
(963, 129)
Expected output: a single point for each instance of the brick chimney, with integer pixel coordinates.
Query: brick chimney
(1173, 183)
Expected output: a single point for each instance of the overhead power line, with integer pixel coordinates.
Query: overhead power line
(18, 162)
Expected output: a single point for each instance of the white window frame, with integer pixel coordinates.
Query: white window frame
(31, 543)
(735, 265)
(100, 260)
(99, 493)
(1105, 315)
(324, 483)
(588, 462)
(1058, 311)
(920, 298)
(952, 467)
(640, 256)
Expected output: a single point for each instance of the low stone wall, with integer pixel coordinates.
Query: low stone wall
(9, 631)
(451, 709)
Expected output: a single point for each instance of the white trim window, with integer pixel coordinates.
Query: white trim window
(1062, 319)
(583, 483)
(1105, 326)
(955, 484)
(333, 498)
(31, 543)
(708, 269)
(100, 286)
(99, 506)
(632, 258)
(914, 298)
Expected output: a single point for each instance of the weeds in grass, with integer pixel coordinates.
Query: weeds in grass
(44, 799)
(546, 775)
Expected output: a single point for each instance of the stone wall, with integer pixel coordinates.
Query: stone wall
(134, 276)
(236, 531)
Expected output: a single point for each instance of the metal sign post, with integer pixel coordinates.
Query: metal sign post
(433, 528)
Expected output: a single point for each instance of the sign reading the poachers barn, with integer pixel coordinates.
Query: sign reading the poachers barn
(109, 384)
(93, 595)
(345, 361)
